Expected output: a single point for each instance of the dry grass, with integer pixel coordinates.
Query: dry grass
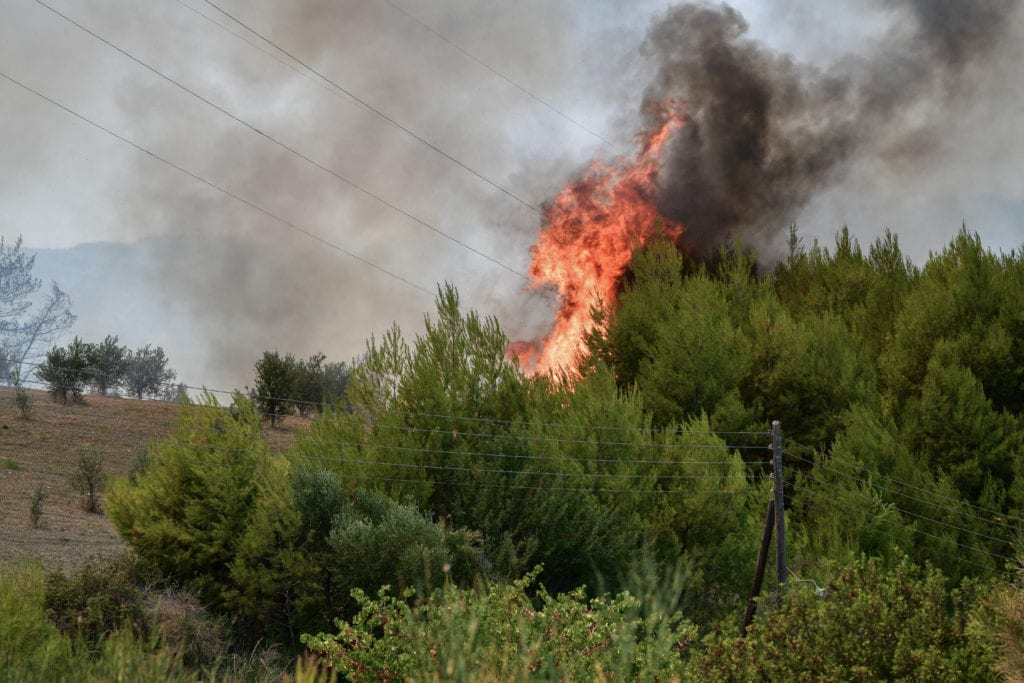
(45, 450)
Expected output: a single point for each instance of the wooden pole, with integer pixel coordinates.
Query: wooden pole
(780, 513)
(762, 562)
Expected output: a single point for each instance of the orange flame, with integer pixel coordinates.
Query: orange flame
(590, 231)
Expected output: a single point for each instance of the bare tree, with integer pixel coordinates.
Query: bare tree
(16, 282)
(31, 337)
(23, 339)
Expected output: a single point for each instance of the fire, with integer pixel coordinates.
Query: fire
(590, 231)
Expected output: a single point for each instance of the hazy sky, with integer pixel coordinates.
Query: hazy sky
(216, 281)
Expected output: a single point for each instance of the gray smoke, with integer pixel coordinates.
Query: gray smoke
(764, 134)
(216, 283)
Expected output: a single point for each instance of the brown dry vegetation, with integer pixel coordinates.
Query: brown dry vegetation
(45, 449)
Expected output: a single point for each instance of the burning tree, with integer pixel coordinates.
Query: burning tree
(591, 229)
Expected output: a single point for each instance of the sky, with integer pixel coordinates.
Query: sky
(483, 111)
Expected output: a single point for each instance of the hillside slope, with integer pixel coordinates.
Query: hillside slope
(45, 449)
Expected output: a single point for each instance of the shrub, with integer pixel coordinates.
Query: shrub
(88, 479)
(23, 401)
(32, 648)
(97, 600)
(874, 624)
(66, 371)
(999, 623)
(140, 464)
(375, 541)
(185, 627)
(502, 633)
(215, 507)
(36, 504)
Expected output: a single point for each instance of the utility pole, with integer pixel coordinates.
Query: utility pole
(762, 560)
(780, 514)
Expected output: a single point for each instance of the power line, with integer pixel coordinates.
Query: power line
(500, 75)
(934, 494)
(214, 186)
(913, 529)
(292, 67)
(923, 501)
(911, 514)
(474, 435)
(377, 111)
(451, 469)
(120, 420)
(284, 146)
(468, 418)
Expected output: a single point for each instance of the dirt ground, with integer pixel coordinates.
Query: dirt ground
(44, 450)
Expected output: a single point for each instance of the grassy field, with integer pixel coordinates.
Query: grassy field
(44, 450)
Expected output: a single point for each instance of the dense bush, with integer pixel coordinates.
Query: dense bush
(450, 423)
(504, 633)
(214, 508)
(375, 541)
(871, 624)
(33, 648)
(98, 600)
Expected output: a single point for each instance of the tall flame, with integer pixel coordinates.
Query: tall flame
(590, 231)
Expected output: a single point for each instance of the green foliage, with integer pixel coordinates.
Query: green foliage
(375, 541)
(450, 424)
(954, 426)
(66, 371)
(334, 382)
(999, 623)
(966, 301)
(319, 497)
(369, 540)
(698, 357)
(808, 371)
(873, 624)
(108, 363)
(504, 633)
(899, 390)
(275, 385)
(905, 382)
(97, 600)
(215, 508)
(32, 648)
(88, 479)
(23, 401)
(146, 373)
(308, 387)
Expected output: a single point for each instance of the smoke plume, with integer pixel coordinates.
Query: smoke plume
(764, 134)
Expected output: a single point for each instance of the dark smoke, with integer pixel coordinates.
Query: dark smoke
(764, 134)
